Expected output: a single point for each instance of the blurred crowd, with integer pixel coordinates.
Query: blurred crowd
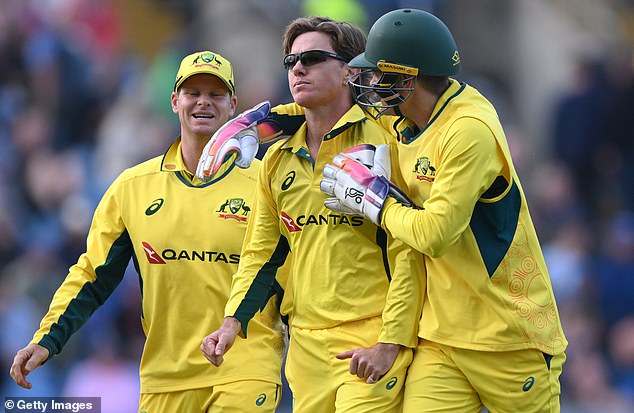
(78, 105)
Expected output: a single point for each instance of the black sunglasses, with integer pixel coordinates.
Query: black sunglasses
(309, 58)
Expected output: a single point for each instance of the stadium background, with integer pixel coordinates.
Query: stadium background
(84, 93)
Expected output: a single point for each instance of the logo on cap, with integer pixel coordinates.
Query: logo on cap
(207, 57)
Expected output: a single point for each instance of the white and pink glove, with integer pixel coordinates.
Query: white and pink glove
(358, 182)
(242, 135)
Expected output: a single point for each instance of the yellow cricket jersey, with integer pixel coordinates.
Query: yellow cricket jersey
(488, 287)
(344, 268)
(184, 237)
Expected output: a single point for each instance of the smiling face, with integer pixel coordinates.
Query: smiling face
(319, 84)
(203, 104)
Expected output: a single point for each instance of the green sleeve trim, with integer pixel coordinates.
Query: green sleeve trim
(278, 291)
(381, 240)
(263, 286)
(288, 123)
(91, 296)
(137, 267)
(494, 226)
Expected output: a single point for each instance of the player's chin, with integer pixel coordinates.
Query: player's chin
(205, 129)
(304, 99)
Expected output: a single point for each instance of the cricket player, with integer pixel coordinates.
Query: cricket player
(490, 334)
(185, 237)
(356, 294)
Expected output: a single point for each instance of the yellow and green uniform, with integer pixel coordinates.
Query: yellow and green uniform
(489, 319)
(184, 237)
(490, 332)
(488, 287)
(344, 268)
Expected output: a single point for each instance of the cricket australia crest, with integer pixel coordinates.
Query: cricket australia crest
(237, 209)
(424, 170)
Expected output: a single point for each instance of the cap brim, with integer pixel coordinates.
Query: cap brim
(205, 72)
(360, 62)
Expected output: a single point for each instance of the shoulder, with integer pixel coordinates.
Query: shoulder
(371, 131)
(470, 132)
(148, 167)
(249, 174)
(275, 151)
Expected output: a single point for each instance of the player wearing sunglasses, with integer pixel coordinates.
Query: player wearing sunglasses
(353, 294)
(309, 58)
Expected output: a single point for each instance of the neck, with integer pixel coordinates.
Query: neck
(320, 121)
(419, 107)
(192, 147)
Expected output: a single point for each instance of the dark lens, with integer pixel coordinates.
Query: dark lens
(313, 57)
(289, 61)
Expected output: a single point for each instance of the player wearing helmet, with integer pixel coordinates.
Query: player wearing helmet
(490, 333)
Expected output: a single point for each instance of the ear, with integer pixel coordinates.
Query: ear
(233, 104)
(174, 101)
(349, 73)
(409, 83)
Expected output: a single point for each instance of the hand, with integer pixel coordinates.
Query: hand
(377, 158)
(241, 135)
(216, 344)
(357, 189)
(371, 363)
(25, 361)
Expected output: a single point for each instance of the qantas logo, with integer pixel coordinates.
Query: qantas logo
(294, 225)
(152, 255)
(288, 221)
(170, 254)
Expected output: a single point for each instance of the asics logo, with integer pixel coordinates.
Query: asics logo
(391, 383)
(260, 400)
(290, 177)
(528, 383)
(154, 206)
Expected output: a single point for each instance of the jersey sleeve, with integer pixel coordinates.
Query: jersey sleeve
(404, 300)
(92, 279)
(264, 251)
(289, 117)
(470, 161)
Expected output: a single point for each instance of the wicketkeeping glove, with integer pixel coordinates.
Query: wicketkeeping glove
(241, 135)
(357, 188)
(377, 158)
